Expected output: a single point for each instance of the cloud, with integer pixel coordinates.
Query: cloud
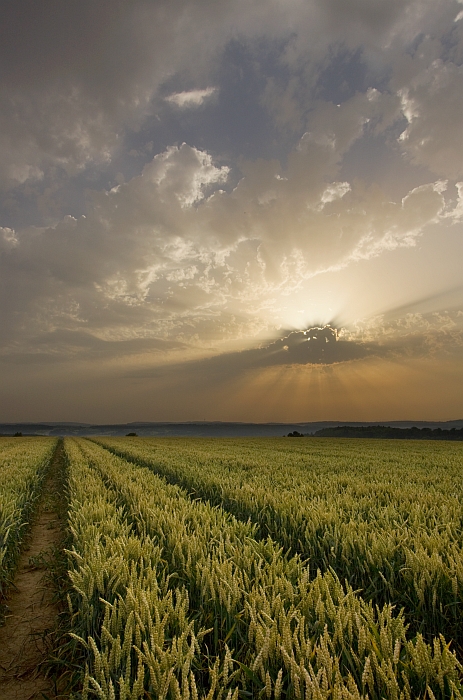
(175, 252)
(449, 298)
(9, 237)
(410, 337)
(79, 76)
(318, 346)
(314, 346)
(73, 345)
(191, 98)
(413, 333)
(456, 214)
(432, 102)
(196, 247)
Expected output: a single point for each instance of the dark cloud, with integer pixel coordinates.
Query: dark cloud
(326, 346)
(408, 338)
(67, 346)
(314, 346)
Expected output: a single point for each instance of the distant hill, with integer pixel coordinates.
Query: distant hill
(213, 428)
(385, 432)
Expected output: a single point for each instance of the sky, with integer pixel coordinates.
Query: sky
(245, 210)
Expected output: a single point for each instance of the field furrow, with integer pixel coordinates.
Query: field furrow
(22, 468)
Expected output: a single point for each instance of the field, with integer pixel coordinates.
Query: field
(266, 568)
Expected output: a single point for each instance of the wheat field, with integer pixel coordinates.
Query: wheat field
(254, 568)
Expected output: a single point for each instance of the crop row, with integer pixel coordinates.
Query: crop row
(176, 599)
(7, 443)
(22, 467)
(386, 517)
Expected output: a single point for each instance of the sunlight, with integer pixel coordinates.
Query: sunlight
(319, 301)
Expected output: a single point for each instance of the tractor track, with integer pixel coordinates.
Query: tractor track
(32, 613)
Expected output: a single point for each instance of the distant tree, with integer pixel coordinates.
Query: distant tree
(18, 435)
(131, 435)
(295, 433)
(384, 432)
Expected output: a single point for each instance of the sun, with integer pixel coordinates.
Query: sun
(312, 306)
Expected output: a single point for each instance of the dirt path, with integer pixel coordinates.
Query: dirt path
(32, 614)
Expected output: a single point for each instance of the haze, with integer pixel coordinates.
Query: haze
(235, 210)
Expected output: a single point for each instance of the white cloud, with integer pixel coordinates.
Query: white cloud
(9, 237)
(456, 214)
(191, 98)
(336, 190)
(185, 174)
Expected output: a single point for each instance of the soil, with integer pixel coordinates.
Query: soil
(31, 618)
